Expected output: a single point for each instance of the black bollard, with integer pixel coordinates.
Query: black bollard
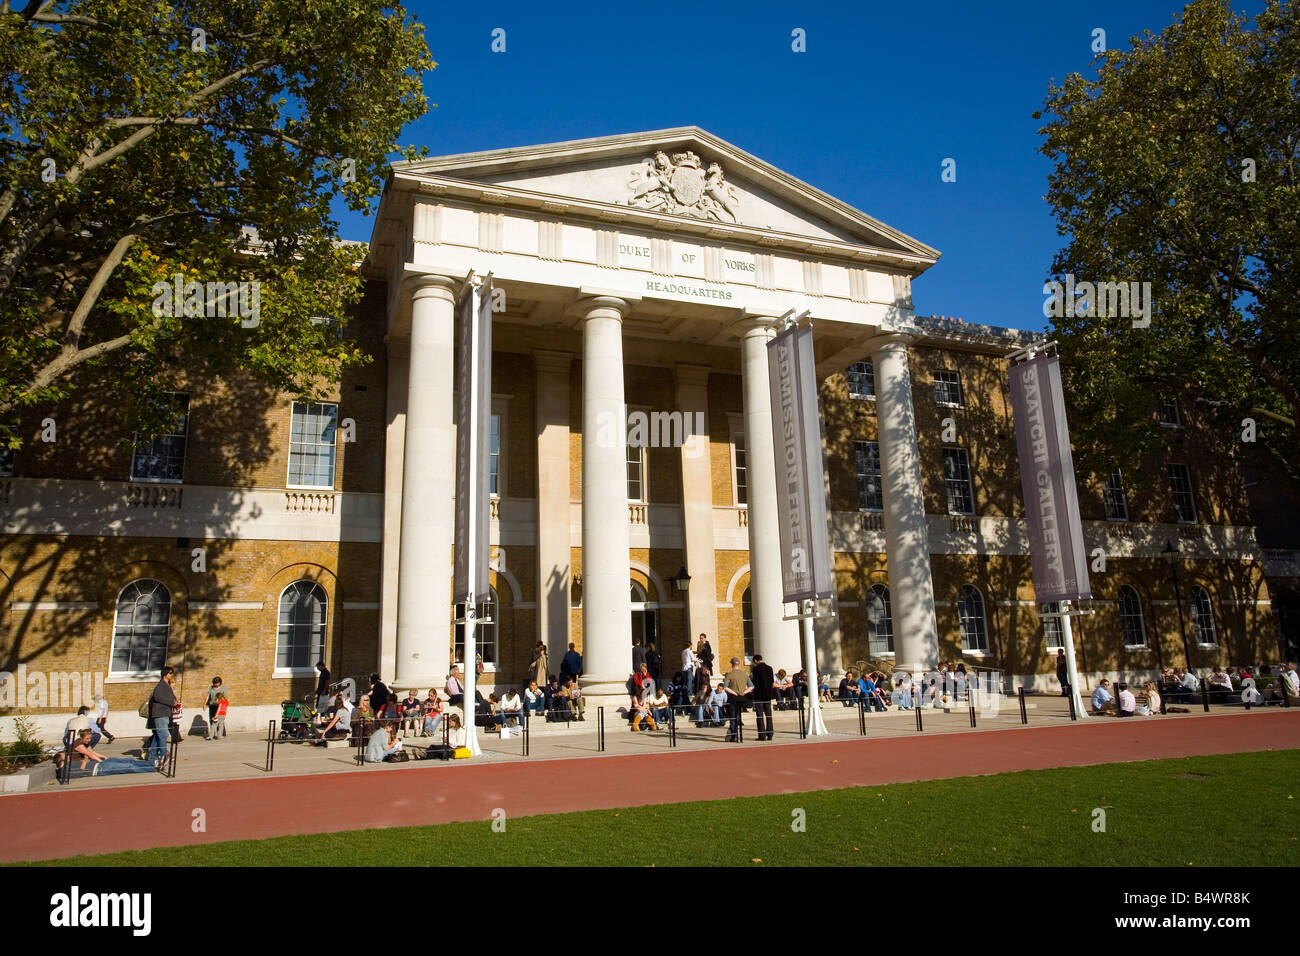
(1024, 715)
(1205, 696)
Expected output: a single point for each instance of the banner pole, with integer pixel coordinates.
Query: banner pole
(1067, 636)
(471, 528)
(816, 726)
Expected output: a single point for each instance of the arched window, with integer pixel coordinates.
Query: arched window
(747, 624)
(1130, 617)
(300, 639)
(970, 612)
(1202, 615)
(485, 633)
(880, 622)
(141, 625)
(644, 622)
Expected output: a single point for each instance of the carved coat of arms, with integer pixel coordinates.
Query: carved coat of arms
(681, 185)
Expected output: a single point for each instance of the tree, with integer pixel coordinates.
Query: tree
(1178, 166)
(152, 147)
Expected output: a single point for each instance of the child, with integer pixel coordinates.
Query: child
(219, 723)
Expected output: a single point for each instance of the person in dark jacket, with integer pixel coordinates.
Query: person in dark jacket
(161, 702)
(322, 685)
(1063, 672)
(378, 694)
(638, 655)
(653, 663)
(570, 664)
(762, 694)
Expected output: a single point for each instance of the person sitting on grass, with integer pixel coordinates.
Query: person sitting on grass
(384, 744)
(340, 725)
(1127, 703)
(1102, 701)
(102, 766)
(641, 712)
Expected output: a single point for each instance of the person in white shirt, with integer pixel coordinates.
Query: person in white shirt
(77, 724)
(660, 705)
(512, 707)
(689, 662)
(1127, 702)
(455, 732)
(534, 699)
(455, 689)
(101, 717)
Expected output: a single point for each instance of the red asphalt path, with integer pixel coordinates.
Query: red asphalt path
(59, 824)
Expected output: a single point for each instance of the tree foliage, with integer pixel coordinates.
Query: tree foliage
(1177, 165)
(145, 139)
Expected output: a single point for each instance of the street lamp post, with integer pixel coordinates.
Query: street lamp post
(1171, 556)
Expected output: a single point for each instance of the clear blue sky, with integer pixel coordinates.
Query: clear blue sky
(884, 93)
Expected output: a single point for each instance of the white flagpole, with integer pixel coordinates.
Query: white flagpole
(816, 726)
(1067, 636)
(471, 523)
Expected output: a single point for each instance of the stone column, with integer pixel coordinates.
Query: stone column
(777, 640)
(907, 538)
(399, 361)
(697, 511)
(428, 482)
(553, 534)
(606, 603)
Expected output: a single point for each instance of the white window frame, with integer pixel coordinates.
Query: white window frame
(736, 432)
(185, 447)
(1052, 627)
(334, 461)
(983, 622)
(458, 632)
(1141, 618)
(747, 625)
(859, 475)
(970, 480)
(889, 618)
(961, 392)
(126, 676)
(1178, 413)
(308, 669)
(1208, 612)
(848, 377)
(1113, 493)
(1174, 492)
(500, 411)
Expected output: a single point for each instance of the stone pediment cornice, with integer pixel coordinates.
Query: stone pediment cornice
(463, 176)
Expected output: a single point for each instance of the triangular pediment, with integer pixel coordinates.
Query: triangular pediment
(683, 173)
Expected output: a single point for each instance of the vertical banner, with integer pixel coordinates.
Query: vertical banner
(473, 443)
(1056, 544)
(800, 482)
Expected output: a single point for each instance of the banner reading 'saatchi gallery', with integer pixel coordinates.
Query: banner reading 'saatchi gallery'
(1056, 545)
(800, 485)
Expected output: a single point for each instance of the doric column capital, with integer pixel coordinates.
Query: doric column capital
(757, 326)
(889, 340)
(429, 285)
(604, 307)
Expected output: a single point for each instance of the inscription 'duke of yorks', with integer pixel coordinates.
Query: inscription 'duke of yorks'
(683, 186)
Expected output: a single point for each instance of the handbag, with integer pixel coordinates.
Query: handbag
(144, 708)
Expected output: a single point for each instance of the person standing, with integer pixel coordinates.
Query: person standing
(378, 695)
(763, 692)
(737, 686)
(101, 717)
(540, 668)
(638, 655)
(654, 663)
(689, 663)
(705, 653)
(1063, 672)
(161, 701)
(215, 693)
(570, 665)
(322, 686)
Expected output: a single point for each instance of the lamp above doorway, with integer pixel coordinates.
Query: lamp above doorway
(681, 581)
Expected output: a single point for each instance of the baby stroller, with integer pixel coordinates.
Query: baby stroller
(297, 719)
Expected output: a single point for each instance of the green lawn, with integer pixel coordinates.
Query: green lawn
(1198, 811)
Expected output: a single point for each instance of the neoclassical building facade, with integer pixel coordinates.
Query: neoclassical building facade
(640, 278)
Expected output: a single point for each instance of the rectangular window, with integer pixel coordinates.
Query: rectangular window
(866, 461)
(1180, 483)
(862, 380)
(957, 481)
(494, 455)
(947, 388)
(1169, 412)
(163, 459)
(1052, 628)
(742, 474)
(635, 473)
(312, 432)
(1116, 502)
